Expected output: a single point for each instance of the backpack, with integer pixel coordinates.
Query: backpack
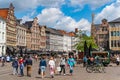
(15, 64)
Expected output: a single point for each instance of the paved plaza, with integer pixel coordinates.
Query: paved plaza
(112, 73)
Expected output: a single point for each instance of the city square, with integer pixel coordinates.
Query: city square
(80, 73)
(79, 37)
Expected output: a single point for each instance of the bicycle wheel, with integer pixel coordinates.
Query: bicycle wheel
(101, 68)
(89, 69)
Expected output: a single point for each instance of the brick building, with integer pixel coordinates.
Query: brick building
(8, 15)
(35, 35)
(100, 33)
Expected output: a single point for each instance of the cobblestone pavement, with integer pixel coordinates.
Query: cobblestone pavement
(112, 73)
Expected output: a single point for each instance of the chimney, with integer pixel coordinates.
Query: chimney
(76, 30)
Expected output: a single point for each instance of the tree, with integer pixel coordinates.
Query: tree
(82, 37)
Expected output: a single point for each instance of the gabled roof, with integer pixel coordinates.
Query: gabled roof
(53, 31)
(28, 24)
(4, 12)
(72, 34)
(97, 25)
(115, 20)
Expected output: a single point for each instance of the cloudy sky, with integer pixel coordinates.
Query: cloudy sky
(65, 14)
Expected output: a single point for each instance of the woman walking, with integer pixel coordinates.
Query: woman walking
(21, 63)
(62, 64)
(71, 63)
(52, 67)
(43, 66)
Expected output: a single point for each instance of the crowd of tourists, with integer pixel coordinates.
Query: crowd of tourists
(20, 63)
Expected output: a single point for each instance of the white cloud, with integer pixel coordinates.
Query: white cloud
(93, 3)
(49, 16)
(51, 3)
(26, 18)
(110, 12)
(28, 5)
(53, 17)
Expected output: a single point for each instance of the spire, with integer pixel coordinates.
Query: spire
(11, 6)
(93, 18)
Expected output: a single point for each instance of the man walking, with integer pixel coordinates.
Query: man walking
(29, 66)
(15, 66)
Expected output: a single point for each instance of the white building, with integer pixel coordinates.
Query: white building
(21, 34)
(67, 46)
(2, 37)
(54, 40)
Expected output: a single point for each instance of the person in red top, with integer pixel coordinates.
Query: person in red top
(21, 65)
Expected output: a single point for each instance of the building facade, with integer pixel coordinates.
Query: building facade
(2, 36)
(28, 39)
(114, 33)
(8, 15)
(36, 36)
(54, 40)
(21, 35)
(66, 41)
(42, 37)
(100, 33)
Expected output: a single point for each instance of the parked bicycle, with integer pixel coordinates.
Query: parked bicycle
(95, 68)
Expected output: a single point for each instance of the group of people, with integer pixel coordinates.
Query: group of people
(5, 59)
(91, 60)
(52, 65)
(19, 64)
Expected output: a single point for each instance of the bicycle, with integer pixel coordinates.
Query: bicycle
(95, 68)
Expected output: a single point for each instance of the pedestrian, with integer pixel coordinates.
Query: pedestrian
(52, 67)
(117, 60)
(15, 66)
(21, 66)
(84, 61)
(36, 58)
(29, 66)
(43, 66)
(8, 58)
(3, 61)
(62, 64)
(71, 64)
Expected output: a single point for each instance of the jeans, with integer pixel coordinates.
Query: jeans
(21, 70)
(62, 68)
(15, 70)
(71, 69)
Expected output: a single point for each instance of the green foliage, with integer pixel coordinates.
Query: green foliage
(89, 40)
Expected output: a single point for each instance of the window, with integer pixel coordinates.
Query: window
(3, 35)
(111, 43)
(115, 43)
(118, 43)
(114, 33)
(111, 33)
(117, 33)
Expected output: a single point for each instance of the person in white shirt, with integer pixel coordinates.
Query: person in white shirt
(8, 58)
(52, 67)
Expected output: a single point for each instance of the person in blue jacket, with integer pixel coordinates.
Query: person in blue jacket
(43, 66)
(71, 63)
(15, 66)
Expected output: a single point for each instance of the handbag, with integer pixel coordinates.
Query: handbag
(58, 68)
